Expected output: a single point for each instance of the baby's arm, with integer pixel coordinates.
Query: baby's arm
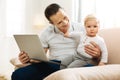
(73, 34)
(104, 53)
(67, 34)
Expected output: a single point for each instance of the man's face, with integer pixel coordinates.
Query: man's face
(60, 20)
(91, 27)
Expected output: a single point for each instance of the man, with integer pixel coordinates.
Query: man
(61, 49)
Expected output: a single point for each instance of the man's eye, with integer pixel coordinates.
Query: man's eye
(59, 23)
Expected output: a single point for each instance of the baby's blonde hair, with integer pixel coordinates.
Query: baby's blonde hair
(90, 17)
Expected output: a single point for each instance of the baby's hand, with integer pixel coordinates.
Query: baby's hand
(66, 34)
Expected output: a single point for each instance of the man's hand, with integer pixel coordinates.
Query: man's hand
(93, 50)
(23, 57)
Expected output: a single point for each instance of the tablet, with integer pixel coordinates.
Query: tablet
(32, 45)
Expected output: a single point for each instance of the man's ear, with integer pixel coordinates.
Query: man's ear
(50, 22)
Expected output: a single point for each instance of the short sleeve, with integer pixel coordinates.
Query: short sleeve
(43, 39)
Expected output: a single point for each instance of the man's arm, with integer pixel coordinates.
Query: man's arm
(93, 50)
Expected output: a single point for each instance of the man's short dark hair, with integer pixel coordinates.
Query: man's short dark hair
(51, 10)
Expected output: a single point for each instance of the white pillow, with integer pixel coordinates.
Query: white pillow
(107, 72)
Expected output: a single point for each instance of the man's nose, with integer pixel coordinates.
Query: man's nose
(64, 22)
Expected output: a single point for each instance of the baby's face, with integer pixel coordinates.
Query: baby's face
(91, 27)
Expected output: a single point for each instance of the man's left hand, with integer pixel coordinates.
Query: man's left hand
(93, 50)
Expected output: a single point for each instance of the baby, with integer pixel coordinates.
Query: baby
(82, 58)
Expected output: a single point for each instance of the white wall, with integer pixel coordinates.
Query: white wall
(2, 17)
(36, 8)
(8, 50)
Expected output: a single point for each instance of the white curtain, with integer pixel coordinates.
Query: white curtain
(107, 11)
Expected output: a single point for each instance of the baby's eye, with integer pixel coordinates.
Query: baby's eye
(88, 26)
(95, 26)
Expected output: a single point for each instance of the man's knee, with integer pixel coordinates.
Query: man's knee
(18, 75)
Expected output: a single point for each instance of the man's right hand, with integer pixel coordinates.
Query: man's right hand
(23, 57)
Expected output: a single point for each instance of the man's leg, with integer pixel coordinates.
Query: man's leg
(36, 71)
